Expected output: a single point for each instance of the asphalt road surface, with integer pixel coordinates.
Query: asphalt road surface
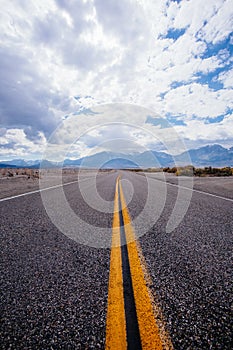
(54, 289)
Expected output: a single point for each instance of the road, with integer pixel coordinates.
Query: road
(55, 291)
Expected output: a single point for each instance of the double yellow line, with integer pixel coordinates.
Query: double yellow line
(152, 332)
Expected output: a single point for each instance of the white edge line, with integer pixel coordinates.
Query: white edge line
(40, 190)
(193, 190)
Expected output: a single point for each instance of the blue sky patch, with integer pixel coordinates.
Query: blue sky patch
(87, 111)
(174, 120)
(218, 119)
(174, 33)
(210, 79)
(162, 122)
(176, 84)
(165, 122)
(215, 49)
(178, 1)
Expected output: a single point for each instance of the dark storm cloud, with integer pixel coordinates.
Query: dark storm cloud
(25, 97)
(3, 131)
(54, 31)
(9, 145)
(32, 134)
(84, 56)
(28, 99)
(49, 30)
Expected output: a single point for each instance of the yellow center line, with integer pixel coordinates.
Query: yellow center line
(116, 325)
(149, 331)
(152, 332)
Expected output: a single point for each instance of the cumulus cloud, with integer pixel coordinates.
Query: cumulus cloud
(201, 133)
(59, 56)
(15, 144)
(218, 26)
(226, 78)
(196, 100)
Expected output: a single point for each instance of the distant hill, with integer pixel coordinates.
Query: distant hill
(121, 160)
(3, 165)
(119, 163)
(32, 164)
(15, 163)
(211, 155)
(214, 155)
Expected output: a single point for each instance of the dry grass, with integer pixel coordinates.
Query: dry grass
(26, 172)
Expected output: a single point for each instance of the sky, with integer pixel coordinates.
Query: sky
(62, 58)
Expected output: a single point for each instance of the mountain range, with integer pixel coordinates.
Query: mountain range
(211, 155)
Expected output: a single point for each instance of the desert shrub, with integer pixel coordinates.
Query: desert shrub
(185, 171)
(10, 174)
(153, 170)
(172, 170)
(209, 171)
(226, 171)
